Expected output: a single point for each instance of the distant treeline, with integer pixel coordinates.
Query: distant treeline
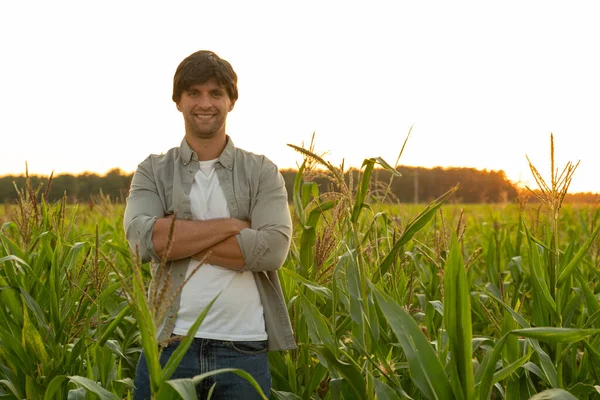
(417, 185)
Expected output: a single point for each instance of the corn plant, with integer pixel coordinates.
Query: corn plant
(470, 322)
(59, 305)
(344, 352)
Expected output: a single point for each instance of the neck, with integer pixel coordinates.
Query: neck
(207, 149)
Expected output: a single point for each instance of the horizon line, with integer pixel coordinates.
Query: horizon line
(377, 167)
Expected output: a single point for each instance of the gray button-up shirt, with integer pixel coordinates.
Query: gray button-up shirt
(255, 191)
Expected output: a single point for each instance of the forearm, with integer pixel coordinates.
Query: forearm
(265, 250)
(266, 245)
(226, 254)
(192, 237)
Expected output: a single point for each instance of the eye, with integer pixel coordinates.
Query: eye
(192, 93)
(217, 94)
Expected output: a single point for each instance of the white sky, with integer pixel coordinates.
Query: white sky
(87, 85)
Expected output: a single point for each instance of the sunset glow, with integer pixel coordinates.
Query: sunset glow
(88, 87)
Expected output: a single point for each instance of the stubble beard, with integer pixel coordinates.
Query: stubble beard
(203, 130)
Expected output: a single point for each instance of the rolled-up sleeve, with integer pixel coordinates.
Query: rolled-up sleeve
(144, 207)
(266, 244)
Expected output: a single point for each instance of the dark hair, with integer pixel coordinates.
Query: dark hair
(200, 67)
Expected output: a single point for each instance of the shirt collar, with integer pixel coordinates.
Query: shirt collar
(226, 157)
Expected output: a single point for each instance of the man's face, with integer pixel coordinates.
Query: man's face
(205, 107)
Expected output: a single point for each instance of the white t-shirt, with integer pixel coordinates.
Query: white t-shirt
(238, 313)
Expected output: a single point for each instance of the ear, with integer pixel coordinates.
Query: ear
(231, 106)
(178, 107)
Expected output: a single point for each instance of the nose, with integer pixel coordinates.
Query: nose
(203, 101)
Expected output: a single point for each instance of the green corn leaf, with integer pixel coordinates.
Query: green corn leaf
(127, 382)
(113, 325)
(570, 311)
(9, 385)
(32, 340)
(592, 351)
(147, 329)
(485, 373)
(34, 307)
(457, 319)
(93, 387)
(13, 248)
(291, 372)
(18, 262)
(593, 305)
(591, 320)
(297, 194)
(516, 316)
(115, 347)
(381, 218)
(556, 335)
(108, 292)
(350, 372)
(310, 190)
(322, 291)
(490, 260)
(13, 347)
(438, 306)
(512, 350)
(363, 189)
(384, 392)
(551, 375)
(425, 368)
(184, 388)
(553, 394)
(317, 324)
(185, 343)
(315, 213)
(77, 394)
(480, 341)
(583, 391)
(545, 302)
(413, 227)
(534, 369)
(511, 368)
(281, 395)
(54, 386)
(10, 299)
(355, 301)
(308, 239)
(568, 270)
(387, 166)
(239, 372)
(317, 375)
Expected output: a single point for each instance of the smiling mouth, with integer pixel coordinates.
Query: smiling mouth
(204, 117)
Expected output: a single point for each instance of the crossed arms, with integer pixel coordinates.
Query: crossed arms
(259, 245)
(212, 240)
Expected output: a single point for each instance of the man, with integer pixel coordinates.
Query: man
(231, 212)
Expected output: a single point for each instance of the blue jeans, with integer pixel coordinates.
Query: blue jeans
(206, 355)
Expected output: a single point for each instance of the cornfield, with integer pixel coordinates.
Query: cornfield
(388, 301)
